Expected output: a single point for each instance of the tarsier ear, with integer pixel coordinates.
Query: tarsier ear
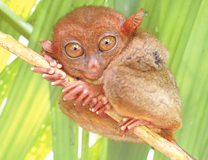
(48, 47)
(131, 25)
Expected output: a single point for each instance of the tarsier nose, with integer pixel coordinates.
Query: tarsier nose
(93, 70)
(93, 64)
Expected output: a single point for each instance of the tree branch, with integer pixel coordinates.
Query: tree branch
(164, 146)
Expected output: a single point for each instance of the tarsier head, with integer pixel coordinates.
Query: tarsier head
(86, 40)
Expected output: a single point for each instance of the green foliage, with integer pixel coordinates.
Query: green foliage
(31, 123)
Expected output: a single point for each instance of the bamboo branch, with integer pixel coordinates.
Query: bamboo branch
(164, 146)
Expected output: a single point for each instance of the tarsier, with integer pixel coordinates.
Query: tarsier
(117, 66)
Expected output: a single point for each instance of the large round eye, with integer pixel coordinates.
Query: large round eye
(107, 43)
(74, 50)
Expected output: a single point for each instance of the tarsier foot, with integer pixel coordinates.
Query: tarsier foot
(81, 92)
(100, 104)
(49, 74)
(127, 125)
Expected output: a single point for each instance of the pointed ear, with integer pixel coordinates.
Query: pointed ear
(48, 47)
(131, 25)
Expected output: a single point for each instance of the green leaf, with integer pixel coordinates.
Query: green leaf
(65, 136)
(42, 144)
(14, 20)
(125, 150)
(23, 114)
(7, 77)
(85, 145)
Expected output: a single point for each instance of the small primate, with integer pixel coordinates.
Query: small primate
(117, 66)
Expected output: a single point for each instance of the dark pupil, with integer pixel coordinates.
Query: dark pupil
(106, 42)
(74, 48)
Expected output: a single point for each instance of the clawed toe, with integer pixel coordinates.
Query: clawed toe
(99, 105)
(127, 125)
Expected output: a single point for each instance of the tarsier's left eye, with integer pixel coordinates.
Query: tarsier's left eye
(74, 50)
(107, 43)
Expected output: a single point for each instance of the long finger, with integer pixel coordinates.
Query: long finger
(97, 106)
(102, 110)
(72, 86)
(124, 128)
(59, 82)
(72, 93)
(93, 102)
(134, 124)
(71, 97)
(50, 60)
(81, 97)
(87, 100)
(43, 70)
(124, 121)
(56, 76)
(127, 124)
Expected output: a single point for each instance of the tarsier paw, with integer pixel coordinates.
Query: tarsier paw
(49, 74)
(81, 92)
(100, 104)
(127, 125)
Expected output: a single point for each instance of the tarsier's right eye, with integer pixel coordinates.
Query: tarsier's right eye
(74, 50)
